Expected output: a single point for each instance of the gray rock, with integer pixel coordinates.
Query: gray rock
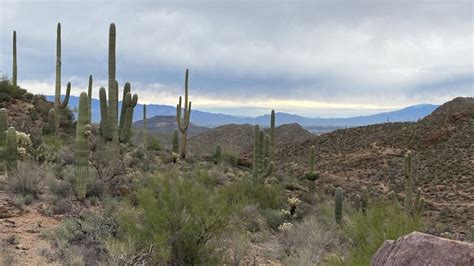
(422, 249)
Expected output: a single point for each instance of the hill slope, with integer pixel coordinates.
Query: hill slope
(443, 148)
(238, 138)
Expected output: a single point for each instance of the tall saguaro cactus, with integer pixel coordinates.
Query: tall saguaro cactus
(262, 166)
(3, 136)
(57, 94)
(145, 127)
(83, 130)
(89, 98)
(272, 143)
(14, 71)
(11, 150)
(109, 127)
(338, 205)
(407, 172)
(183, 122)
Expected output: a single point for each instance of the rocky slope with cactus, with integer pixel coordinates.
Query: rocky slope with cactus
(372, 156)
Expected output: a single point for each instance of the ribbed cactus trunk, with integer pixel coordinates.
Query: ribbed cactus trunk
(57, 94)
(89, 98)
(261, 158)
(311, 159)
(113, 87)
(15, 66)
(272, 143)
(11, 150)
(82, 147)
(407, 171)
(175, 147)
(183, 123)
(145, 127)
(255, 152)
(3, 139)
(338, 205)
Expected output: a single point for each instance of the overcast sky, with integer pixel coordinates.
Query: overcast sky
(315, 58)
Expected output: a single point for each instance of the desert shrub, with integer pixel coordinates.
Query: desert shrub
(274, 218)
(230, 158)
(5, 97)
(180, 218)
(368, 232)
(28, 179)
(153, 143)
(246, 191)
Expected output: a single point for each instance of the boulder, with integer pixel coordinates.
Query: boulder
(422, 249)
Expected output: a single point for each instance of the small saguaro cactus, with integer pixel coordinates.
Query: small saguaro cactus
(89, 98)
(3, 136)
(175, 147)
(338, 205)
(14, 71)
(58, 105)
(407, 171)
(145, 127)
(410, 207)
(272, 143)
(183, 122)
(11, 150)
(218, 155)
(83, 130)
(311, 159)
(262, 166)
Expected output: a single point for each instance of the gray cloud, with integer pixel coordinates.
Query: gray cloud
(388, 53)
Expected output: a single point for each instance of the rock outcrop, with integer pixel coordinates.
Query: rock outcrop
(423, 249)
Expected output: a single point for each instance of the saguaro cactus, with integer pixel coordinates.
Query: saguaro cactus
(14, 71)
(311, 159)
(338, 205)
(145, 127)
(175, 141)
(109, 112)
(3, 136)
(255, 152)
(57, 94)
(262, 166)
(11, 150)
(272, 142)
(83, 130)
(89, 98)
(408, 184)
(183, 122)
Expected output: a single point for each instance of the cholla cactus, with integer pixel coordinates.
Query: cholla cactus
(338, 205)
(285, 227)
(83, 130)
(24, 144)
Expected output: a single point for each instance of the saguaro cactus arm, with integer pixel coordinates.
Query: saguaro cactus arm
(14, 78)
(89, 98)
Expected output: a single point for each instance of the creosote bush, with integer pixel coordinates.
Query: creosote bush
(28, 179)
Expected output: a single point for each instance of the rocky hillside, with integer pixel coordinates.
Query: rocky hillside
(239, 138)
(166, 125)
(372, 156)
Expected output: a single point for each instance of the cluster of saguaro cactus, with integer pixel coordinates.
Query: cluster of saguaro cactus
(183, 122)
(338, 198)
(113, 129)
(175, 147)
(262, 166)
(58, 105)
(145, 127)
(14, 71)
(3, 137)
(83, 130)
(410, 207)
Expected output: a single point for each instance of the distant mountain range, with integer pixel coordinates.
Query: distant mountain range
(207, 119)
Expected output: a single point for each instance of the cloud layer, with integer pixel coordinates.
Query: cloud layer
(302, 56)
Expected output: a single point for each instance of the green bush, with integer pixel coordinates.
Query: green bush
(368, 232)
(153, 143)
(247, 191)
(180, 218)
